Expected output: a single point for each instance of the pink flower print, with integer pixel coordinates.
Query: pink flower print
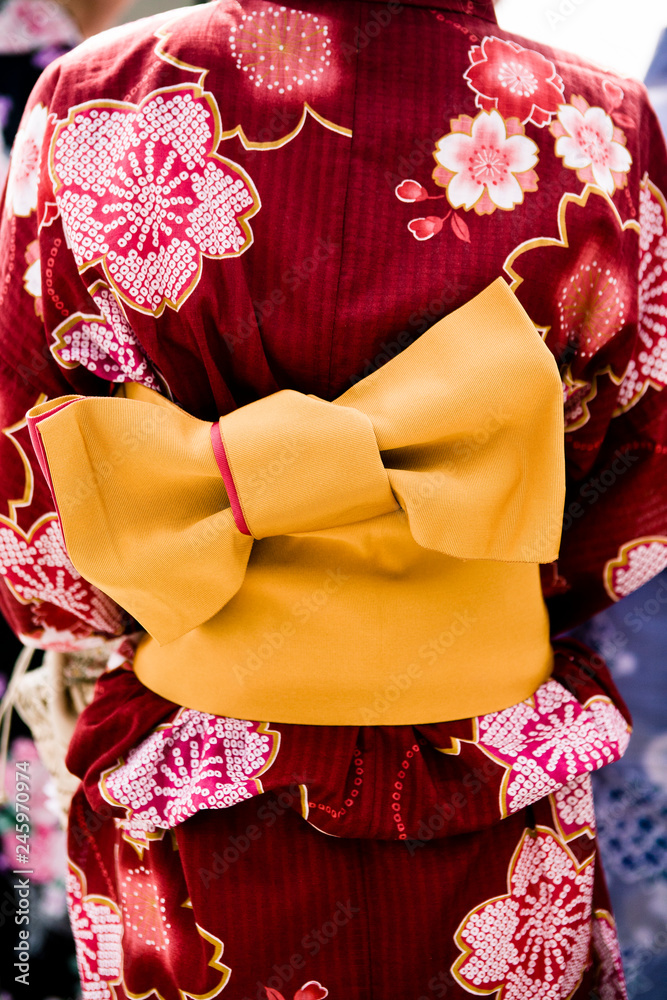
(142, 192)
(637, 562)
(425, 229)
(588, 141)
(105, 344)
(26, 160)
(36, 568)
(486, 163)
(533, 941)
(517, 82)
(98, 933)
(309, 991)
(411, 191)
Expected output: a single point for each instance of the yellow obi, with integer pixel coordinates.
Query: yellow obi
(368, 561)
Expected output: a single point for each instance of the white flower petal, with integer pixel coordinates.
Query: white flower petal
(603, 178)
(570, 118)
(619, 158)
(463, 191)
(572, 153)
(506, 195)
(521, 152)
(453, 150)
(599, 120)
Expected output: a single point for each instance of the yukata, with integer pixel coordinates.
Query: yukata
(229, 201)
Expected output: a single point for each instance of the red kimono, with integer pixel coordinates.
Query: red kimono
(228, 200)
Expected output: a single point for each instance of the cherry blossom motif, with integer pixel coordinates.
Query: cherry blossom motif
(196, 761)
(309, 991)
(104, 344)
(649, 367)
(98, 932)
(548, 740)
(32, 279)
(411, 191)
(143, 193)
(36, 568)
(637, 562)
(26, 161)
(281, 49)
(517, 82)
(588, 141)
(611, 985)
(534, 941)
(486, 163)
(572, 808)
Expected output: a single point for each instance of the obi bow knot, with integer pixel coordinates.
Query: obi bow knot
(461, 435)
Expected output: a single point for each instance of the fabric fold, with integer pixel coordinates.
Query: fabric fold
(462, 432)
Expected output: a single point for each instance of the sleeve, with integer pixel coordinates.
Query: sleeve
(615, 523)
(44, 599)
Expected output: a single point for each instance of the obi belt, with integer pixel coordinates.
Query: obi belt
(304, 561)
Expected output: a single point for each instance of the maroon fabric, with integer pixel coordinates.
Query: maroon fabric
(352, 251)
(180, 215)
(351, 773)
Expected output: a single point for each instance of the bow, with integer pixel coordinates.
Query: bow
(461, 433)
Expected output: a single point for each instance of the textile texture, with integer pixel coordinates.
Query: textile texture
(229, 200)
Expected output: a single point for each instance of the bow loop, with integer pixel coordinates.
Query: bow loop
(461, 436)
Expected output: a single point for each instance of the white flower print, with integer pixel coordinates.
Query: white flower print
(486, 163)
(533, 942)
(142, 191)
(588, 141)
(26, 161)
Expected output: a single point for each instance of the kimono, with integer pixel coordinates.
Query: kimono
(228, 201)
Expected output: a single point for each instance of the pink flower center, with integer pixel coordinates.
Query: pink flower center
(517, 78)
(593, 144)
(29, 160)
(487, 165)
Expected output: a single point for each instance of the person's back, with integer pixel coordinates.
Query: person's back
(247, 197)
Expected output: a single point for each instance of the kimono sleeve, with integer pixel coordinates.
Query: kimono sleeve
(42, 596)
(615, 525)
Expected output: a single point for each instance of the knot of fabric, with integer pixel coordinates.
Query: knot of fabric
(461, 435)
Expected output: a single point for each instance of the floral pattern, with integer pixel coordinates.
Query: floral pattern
(649, 368)
(573, 810)
(517, 82)
(36, 568)
(26, 161)
(605, 943)
(196, 761)
(486, 163)
(588, 141)
(309, 991)
(104, 344)
(534, 941)
(142, 191)
(637, 562)
(98, 932)
(281, 49)
(548, 740)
